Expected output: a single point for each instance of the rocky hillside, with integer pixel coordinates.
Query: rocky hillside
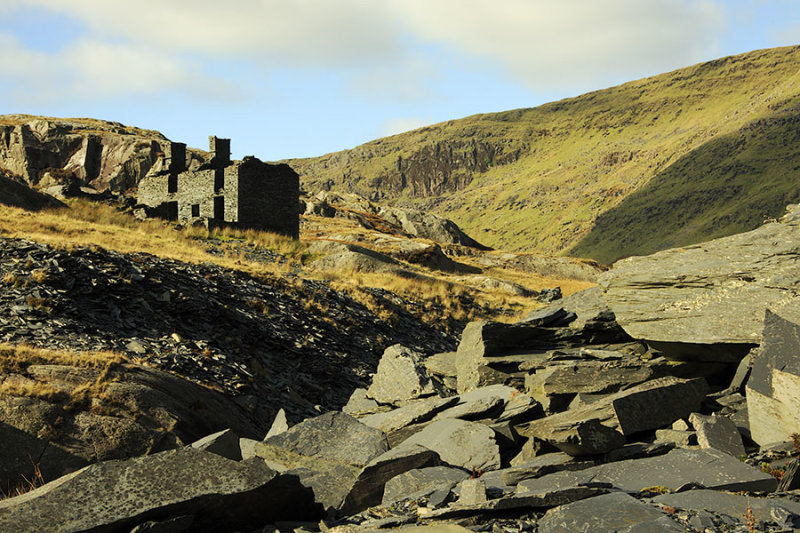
(588, 415)
(675, 159)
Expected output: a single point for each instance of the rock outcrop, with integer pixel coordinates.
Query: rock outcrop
(56, 153)
(707, 301)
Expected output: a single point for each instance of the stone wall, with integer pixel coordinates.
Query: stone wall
(268, 196)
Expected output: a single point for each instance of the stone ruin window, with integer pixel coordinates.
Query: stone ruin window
(219, 179)
(172, 210)
(172, 183)
(195, 210)
(219, 208)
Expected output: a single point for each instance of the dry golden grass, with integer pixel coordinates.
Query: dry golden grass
(91, 224)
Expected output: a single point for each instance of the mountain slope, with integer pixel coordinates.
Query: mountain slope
(539, 179)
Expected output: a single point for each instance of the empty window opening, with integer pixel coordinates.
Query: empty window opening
(219, 208)
(195, 210)
(172, 210)
(172, 183)
(219, 179)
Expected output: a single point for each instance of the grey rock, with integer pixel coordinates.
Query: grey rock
(414, 412)
(420, 481)
(401, 376)
(677, 437)
(427, 225)
(688, 299)
(279, 425)
(442, 364)
(791, 478)
(707, 467)
(174, 525)
(585, 437)
(360, 405)
(471, 492)
(333, 436)
(540, 466)
(606, 513)
(734, 505)
(224, 443)
(717, 432)
(650, 405)
(331, 483)
(159, 487)
(468, 445)
(773, 400)
(500, 402)
(543, 500)
(584, 306)
(664, 524)
(367, 490)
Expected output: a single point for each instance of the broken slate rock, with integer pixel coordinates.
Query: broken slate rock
(414, 412)
(585, 437)
(224, 443)
(469, 445)
(334, 436)
(717, 432)
(401, 376)
(608, 512)
(279, 425)
(360, 405)
(650, 405)
(368, 488)
(687, 300)
(422, 480)
(773, 400)
(707, 467)
(734, 505)
(115, 495)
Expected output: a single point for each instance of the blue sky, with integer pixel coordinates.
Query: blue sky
(296, 78)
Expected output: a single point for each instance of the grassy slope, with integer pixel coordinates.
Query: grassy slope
(582, 157)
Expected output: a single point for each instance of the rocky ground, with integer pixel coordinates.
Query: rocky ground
(568, 420)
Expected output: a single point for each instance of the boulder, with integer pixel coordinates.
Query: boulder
(279, 425)
(650, 405)
(360, 405)
(773, 397)
(710, 468)
(224, 443)
(717, 432)
(333, 436)
(468, 445)
(420, 481)
(220, 494)
(414, 412)
(367, 490)
(584, 437)
(608, 512)
(734, 505)
(429, 226)
(706, 300)
(401, 376)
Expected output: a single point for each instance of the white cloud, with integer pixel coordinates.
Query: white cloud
(401, 125)
(557, 44)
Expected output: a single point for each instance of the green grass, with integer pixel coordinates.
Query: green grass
(539, 179)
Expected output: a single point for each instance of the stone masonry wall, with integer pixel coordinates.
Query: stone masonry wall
(268, 197)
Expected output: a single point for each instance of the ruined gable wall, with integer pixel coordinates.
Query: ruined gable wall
(269, 197)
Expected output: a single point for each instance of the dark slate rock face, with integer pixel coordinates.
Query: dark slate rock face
(707, 300)
(772, 390)
(334, 436)
(219, 494)
(609, 512)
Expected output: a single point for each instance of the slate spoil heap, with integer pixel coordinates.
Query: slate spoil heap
(565, 421)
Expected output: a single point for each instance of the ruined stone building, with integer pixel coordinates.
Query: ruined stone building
(247, 193)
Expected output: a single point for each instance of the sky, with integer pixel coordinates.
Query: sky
(301, 78)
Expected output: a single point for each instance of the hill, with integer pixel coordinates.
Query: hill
(669, 160)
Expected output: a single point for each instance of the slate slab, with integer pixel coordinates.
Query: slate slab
(224, 443)
(605, 513)
(401, 376)
(708, 467)
(710, 293)
(773, 390)
(734, 505)
(717, 432)
(421, 480)
(336, 436)
(460, 443)
(221, 494)
(368, 488)
(414, 412)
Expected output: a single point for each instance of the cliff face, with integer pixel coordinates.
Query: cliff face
(46, 152)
